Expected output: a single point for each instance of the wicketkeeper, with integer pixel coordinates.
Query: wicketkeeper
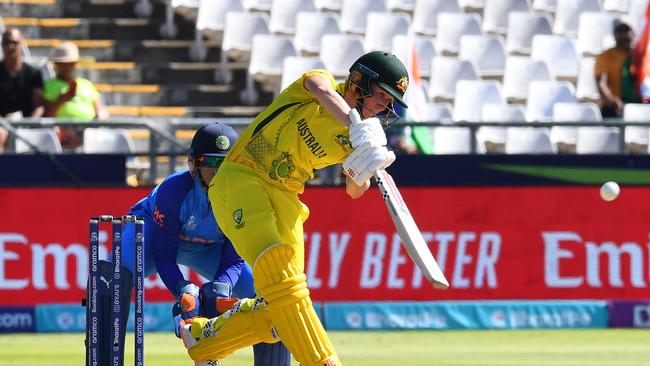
(180, 228)
(313, 123)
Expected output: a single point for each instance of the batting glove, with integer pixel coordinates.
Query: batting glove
(365, 160)
(368, 130)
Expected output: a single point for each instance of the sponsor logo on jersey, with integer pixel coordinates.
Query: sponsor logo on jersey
(238, 216)
(158, 217)
(190, 224)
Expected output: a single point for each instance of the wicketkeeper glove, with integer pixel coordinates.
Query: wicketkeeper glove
(368, 130)
(216, 299)
(189, 300)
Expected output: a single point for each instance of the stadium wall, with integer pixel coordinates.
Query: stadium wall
(496, 244)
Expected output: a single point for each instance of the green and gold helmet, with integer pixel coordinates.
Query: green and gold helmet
(385, 70)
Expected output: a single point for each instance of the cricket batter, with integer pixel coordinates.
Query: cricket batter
(313, 123)
(180, 228)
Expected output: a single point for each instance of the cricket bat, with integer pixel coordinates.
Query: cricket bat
(408, 231)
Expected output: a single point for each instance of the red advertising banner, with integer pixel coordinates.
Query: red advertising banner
(492, 243)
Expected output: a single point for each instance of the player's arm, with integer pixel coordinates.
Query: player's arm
(353, 190)
(169, 199)
(230, 267)
(327, 96)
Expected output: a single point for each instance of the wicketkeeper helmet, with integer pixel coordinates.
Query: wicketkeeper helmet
(211, 142)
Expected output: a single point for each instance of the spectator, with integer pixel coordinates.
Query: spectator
(70, 97)
(613, 77)
(21, 85)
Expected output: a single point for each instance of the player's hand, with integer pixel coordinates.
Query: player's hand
(189, 301)
(179, 322)
(365, 160)
(368, 130)
(216, 299)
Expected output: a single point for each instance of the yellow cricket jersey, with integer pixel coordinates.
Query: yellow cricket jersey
(294, 136)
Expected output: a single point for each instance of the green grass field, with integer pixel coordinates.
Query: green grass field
(615, 347)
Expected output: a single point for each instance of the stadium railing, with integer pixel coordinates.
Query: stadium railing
(166, 139)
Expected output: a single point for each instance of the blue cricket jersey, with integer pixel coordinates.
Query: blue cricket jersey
(180, 211)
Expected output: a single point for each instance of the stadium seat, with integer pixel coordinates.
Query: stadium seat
(522, 26)
(238, 35)
(563, 137)
(636, 113)
(400, 5)
(353, 14)
(598, 140)
(567, 15)
(267, 55)
(186, 8)
(543, 95)
(528, 140)
(493, 139)
(636, 14)
(310, 28)
(445, 73)
(283, 14)
(471, 4)
(107, 140)
(546, 6)
(339, 51)
(471, 95)
(329, 5)
(294, 66)
(586, 87)
(495, 14)
(451, 140)
(380, 38)
(595, 33)
(258, 5)
(45, 139)
(451, 26)
(210, 23)
(212, 14)
(424, 49)
(500, 112)
(439, 112)
(112, 141)
(519, 72)
(485, 52)
(559, 53)
(616, 6)
(425, 14)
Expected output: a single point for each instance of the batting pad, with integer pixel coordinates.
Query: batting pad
(281, 282)
(246, 324)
